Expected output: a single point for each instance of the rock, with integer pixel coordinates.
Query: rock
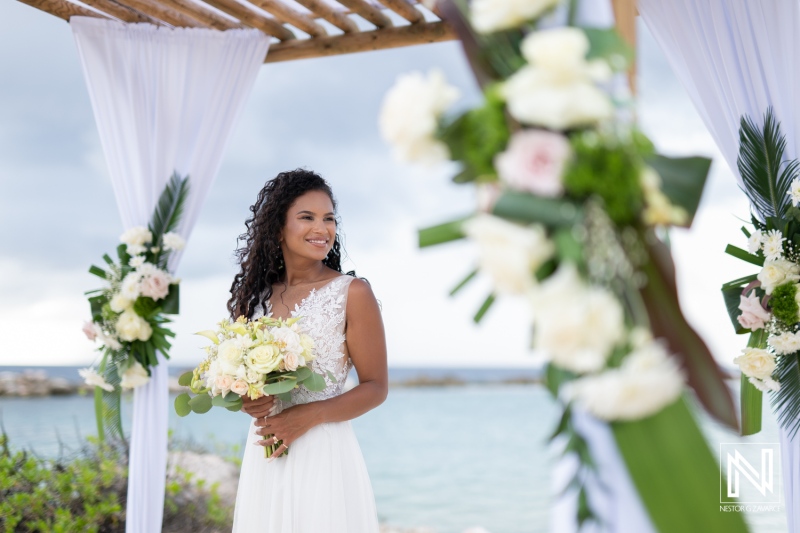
(207, 467)
(34, 383)
(60, 386)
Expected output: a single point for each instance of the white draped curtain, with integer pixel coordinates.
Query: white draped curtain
(165, 100)
(737, 57)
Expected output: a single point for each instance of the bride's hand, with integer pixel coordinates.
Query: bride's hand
(286, 426)
(258, 408)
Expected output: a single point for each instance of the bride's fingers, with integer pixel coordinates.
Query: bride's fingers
(282, 448)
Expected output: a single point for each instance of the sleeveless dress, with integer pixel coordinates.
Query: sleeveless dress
(322, 485)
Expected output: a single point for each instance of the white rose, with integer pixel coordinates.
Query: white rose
(119, 303)
(136, 236)
(287, 340)
(240, 387)
(647, 381)
(410, 114)
(263, 359)
(135, 376)
(776, 273)
(156, 285)
(308, 348)
(492, 15)
(173, 241)
(223, 383)
(130, 288)
(576, 326)
(94, 379)
(508, 252)
(756, 363)
(131, 327)
(558, 49)
(230, 351)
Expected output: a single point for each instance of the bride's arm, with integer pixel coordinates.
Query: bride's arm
(366, 344)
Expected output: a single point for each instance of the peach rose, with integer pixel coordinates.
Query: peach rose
(240, 387)
(156, 285)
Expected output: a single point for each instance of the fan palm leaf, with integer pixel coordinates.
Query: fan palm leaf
(786, 401)
(766, 177)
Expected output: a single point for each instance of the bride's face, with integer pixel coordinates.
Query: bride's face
(310, 227)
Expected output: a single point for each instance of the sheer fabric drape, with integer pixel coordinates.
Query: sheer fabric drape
(737, 57)
(164, 100)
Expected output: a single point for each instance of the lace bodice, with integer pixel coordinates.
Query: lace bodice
(323, 318)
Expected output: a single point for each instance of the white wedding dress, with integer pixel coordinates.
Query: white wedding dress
(322, 485)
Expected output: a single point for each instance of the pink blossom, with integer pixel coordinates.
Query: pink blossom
(534, 161)
(90, 330)
(753, 316)
(223, 382)
(156, 285)
(240, 387)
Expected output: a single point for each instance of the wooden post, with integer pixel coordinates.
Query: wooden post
(625, 14)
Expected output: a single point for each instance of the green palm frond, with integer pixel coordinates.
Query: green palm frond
(112, 410)
(766, 177)
(786, 401)
(169, 207)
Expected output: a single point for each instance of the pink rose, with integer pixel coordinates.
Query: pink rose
(90, 330)
(534, 162)
(156, 285)
(753, 316)
(240, 387)
(223, 383)
(292, 361)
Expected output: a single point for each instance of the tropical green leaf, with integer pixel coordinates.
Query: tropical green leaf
(461, 284)
(675, 472)
(315, 383)
(487, 303)
(609, 45)
(441, 233)
(741, 282)
(528, 208)
(786, 401)
(201, 403)
(168, 210)
(185, 379)
(171, 303)
(108, 407)
(732, 297)
(99, 272)
(682, 180)
(744, 255)
(766, 176)
(182, 406)
(279, 387)
(96, 304)
(144, 306)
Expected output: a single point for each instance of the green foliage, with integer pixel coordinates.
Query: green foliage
(441, 233)
(607, 44)
(609, 170)
(766, 176)
(476, 136)
(167, 212)
(783, 303)
(786, 401)
(682, 179)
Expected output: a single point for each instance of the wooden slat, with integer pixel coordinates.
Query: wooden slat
(62, 9)
(283, 12)
(625, 15)
(158, 11)
(248, 17)
(321, 9)
(123, 13)
(368, 12)
(404, 9)
(396, 36)
(199, 13)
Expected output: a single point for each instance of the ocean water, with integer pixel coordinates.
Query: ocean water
(447, 458)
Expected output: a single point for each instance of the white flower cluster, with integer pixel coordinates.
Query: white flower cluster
(771, 244)
(557, 89)
(758, 365)
(137, 237)
(794, 192)
(245, 352)
(777, 272)
(410, 115)
(509, 253)
(493, 15)
(134, 376)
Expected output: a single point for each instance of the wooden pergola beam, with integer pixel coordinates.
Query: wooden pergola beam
(62, 9)
(124, 13)
(397, 36)
(250, 18)
(205, 16)
(285, 13)
(372, 14)
(158, 11)
(405, 10)
(338, 19)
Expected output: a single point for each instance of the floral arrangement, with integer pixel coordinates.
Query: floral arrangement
(765, 304)
(128, 314)
(573, 203)
(266, 356)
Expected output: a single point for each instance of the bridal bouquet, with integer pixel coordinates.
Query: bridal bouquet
(266, 356)
(128, 313)
(765, 304)
(573, 206)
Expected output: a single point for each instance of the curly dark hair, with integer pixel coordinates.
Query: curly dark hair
(261, 257)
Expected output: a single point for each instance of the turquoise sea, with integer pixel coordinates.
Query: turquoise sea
(443, 457)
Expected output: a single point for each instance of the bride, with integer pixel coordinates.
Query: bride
(290, 267)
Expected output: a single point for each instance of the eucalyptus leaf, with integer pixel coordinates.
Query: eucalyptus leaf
(315, 383)
(302, 372)
(182, 406)
(185, 379)
(279, 387)
(201, 403)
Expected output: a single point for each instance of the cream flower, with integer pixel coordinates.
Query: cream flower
(647, 381)
(753, 316)
(135, 376)
(263, 359)
(557, 90)
(173, 241)
(534, 161)
(776, 273)
(292, 361)
(109, 341)
(773, 245)
(576, 326)
(222, 383)
(131, 286)
(755, 241)
(156, 285)
(287, 340)
(230, 351)
(509, 253)
(785, 343)
(410, 115)
(119, 303)
(94, 379)
(136, 238)
(131, 327)
(765, 385)
(659, 210)
(240, 387)
(756, 363)
(493, 15)
(137, 261)
(794, 191)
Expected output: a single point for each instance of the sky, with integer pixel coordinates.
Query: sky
(58, 216)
